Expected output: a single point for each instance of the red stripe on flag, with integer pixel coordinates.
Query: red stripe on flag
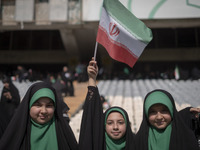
(115, 49)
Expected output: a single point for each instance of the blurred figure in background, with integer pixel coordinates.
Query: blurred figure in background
(81, 72)
(21, 74)
(10, 97)
(105, 103)
(68, 78)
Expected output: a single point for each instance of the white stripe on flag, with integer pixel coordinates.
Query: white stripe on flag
(134, 46)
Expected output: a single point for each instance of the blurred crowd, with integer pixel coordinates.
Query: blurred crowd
(79, 73)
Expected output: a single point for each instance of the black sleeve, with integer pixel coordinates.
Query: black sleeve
(92, 129)
(187, 117)
(15, 97)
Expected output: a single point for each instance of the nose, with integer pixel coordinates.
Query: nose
(159, 116)
(43, 109)
(115, 126)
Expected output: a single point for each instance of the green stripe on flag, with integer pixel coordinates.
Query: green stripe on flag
(131, 23)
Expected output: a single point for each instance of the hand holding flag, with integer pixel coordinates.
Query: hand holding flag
(122, 34)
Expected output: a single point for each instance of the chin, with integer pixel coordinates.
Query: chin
(160, 127)
(116, 138)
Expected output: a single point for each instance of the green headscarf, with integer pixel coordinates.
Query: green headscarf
(158, 138)
(43, 136)
(112, 144)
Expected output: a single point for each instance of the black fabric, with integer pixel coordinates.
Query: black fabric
(4, 119)
(92, 133)
(187, 116)
(182, 137)
(10, 104)
(17, 134)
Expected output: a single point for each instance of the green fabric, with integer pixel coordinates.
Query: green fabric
(112, 144)
(131, 23)
(43, 136)
(115, 144)
(44, 92)
(159, 138)
(158, 97)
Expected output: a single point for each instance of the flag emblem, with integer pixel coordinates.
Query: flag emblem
(113, 29)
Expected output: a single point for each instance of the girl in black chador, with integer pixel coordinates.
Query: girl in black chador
(103, 131)
(163, 127)
(38, 123)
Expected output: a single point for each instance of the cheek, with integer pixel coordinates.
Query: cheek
(123, 129)
(108, 128)
(51, 111)
(33, 112)
(151, 118)
(168, 118)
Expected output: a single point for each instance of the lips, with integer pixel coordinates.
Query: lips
(115, 133)
(160, 123)
(42, 117)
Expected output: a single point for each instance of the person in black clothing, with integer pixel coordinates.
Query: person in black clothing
(39, 123)
(10, 96)
(103, 131)
(68, 78)
(163, 127)
(21, 73)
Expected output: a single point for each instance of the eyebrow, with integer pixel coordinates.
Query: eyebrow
(50, 102)
(117, 120)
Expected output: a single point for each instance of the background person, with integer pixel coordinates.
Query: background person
(67, 77)
(10, 97)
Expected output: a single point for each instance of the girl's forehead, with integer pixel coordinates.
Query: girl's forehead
(44, 100)
(158, 106)
(115, 115)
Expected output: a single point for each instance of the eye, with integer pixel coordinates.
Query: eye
(165, 111)
(36, 104)
(109, 123)
(151, 112)
(121, 122)
(50, 105)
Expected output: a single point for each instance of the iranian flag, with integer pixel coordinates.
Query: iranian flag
(122, 34)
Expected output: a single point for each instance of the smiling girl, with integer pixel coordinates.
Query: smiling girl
(163, 128)
(38, 123)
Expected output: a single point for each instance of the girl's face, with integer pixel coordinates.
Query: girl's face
(115, 125)
(6, 85)
(42, 110)
(159, 116)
